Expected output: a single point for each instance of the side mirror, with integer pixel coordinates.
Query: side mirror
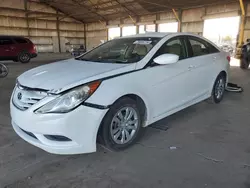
(166, 59)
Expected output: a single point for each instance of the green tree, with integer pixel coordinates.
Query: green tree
(227, 39)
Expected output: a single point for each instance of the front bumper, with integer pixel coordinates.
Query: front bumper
(80, 126)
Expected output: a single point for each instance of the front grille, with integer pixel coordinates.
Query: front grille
(24, 98)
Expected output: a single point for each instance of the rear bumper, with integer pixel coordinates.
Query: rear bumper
(33, 55)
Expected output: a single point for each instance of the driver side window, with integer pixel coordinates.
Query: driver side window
(173, 46)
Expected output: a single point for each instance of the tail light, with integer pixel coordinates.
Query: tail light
(228, 59)
(34, 48)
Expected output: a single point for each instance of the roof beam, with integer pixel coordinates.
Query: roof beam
(66, 15)
(157, 4)
(126, 8)
(94, 12)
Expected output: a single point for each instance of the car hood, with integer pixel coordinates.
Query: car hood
(63, 75)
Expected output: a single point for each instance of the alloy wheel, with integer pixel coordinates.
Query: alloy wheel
(219, 88)
(124, 125)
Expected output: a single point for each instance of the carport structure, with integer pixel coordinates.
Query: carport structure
(54, 25)
(205, 145)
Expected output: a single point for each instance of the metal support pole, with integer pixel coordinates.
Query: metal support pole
(242, 23)
(85, 36)
(121, 25)
(58, 32)
(26, 16)
(137, 26)
(178, 19)
(156, 24)
(107, 30)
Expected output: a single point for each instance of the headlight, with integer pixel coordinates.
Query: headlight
(69, 100)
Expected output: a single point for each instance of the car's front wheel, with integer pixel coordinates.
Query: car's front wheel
(122, 125)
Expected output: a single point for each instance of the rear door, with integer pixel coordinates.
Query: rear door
(204, 63)
(22, 44)
(7, 48)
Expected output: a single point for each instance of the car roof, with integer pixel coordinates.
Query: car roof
(159, 34)
(149, 34)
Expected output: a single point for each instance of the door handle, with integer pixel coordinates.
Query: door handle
(214, 58)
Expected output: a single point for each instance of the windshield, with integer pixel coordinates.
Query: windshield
(124, 50)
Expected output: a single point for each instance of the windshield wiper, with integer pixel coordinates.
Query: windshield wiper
(102, 60)
(81, 59)
(120, 61)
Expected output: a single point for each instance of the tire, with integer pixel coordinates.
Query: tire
(219, 88)
(244, 64)
(3, 71)
(111, 121)
(24, 57)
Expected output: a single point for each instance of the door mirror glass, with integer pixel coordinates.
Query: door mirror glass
(166, 59)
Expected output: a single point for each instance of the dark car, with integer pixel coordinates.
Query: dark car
(17, 49)
(245, 55)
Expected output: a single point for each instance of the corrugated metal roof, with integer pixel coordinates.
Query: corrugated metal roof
(104, 10)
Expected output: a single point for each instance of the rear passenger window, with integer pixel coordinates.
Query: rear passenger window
(20, 40)
(5, 41)
(212, 49)
(200, 47)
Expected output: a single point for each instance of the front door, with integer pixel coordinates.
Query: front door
(170, 86)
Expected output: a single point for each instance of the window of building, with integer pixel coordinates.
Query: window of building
(114, 33)
(168, 27)
(141, 28)
(150, 28)
(128, 30)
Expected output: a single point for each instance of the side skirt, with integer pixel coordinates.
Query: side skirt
(168, 113)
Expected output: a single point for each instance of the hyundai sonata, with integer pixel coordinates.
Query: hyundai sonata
(116, 90)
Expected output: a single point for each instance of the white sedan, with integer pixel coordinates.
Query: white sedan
(115, 90)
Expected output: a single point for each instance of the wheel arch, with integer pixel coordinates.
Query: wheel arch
(141, 104)
(224, 73)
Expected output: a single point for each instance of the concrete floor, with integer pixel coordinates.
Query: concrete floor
(213, 149)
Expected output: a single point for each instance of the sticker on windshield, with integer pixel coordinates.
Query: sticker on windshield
(142, 42)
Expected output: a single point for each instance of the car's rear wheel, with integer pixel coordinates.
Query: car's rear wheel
(24, 57)
(122, 125)
(219, 88)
